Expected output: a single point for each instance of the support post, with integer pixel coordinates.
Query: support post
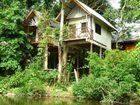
(46, 58)
(60, 44)
(100, 52)
(36, 36)
(76, 75)
(91, 50)
(91, 47)
(65, 56)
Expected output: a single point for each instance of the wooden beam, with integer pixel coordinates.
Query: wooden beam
(37, 35)
(65, 57)
(101, 52)
(97, 43)
(76, 75)
(65, 54)
(91, 50)
(91, 47)
(76, 42)
(46, 58)
(60, 43)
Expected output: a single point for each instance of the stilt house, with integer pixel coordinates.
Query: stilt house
(87, 31)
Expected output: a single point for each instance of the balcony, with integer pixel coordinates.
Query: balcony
(79, 33)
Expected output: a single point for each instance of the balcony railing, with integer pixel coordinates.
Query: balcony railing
(76, 33)
(80, 33)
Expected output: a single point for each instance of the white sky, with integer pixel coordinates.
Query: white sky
(115, 3)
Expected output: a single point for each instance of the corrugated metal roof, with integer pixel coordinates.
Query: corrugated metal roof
(94, 13)
(87, 9)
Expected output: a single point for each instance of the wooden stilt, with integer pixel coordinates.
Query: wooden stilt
(37, 36)
(60, 43)
(91, 47)
(46, 58)
(59, 63)
(78, 62)
(65, 56)
(100, 52)
(91, 50)
(76, 75)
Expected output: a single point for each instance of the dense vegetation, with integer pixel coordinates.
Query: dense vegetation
(113, 78)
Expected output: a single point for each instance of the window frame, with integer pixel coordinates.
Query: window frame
(83, 28)
(98, 29)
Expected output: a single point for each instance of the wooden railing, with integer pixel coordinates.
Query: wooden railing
(80, 33)
(72, 34)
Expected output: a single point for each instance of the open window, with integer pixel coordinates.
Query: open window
(84, 27)
(97, 28)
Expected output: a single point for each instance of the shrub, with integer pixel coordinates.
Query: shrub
(33, 87)
(114, 78)
(31, 81)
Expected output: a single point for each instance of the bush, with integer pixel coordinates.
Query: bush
(114, 78)
(84, 89)
(31, 81)
(33, 87)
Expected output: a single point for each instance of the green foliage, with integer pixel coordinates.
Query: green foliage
(60, 87)
(32, 81)
(13, 43)
(114, 78)
(124, 18)
(138, 45)
(15, 46)
(39, 4)
(98, 6)
(34, 86)
(85, 88)
(49, 34)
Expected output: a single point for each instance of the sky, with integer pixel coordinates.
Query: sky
(115, 3)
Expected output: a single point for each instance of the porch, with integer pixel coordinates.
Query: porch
(75, 52)
(78, 33)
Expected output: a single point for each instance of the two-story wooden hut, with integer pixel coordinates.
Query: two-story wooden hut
(87, 31)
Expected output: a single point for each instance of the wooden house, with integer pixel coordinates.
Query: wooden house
(128, 44)
(30, 24)
(87, 31)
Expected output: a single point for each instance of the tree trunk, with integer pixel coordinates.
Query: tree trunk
(60, 44)
(59, 62)
(65, 55)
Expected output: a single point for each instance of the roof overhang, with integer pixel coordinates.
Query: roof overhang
(34, 13)
(69, 6)
(30, 15)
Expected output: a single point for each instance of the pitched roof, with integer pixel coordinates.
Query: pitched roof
(38, 14)
(97, 15)
(91, 12)
(30, 15)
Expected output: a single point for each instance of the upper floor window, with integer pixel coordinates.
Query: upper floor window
(83, 27)
(97, 28)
